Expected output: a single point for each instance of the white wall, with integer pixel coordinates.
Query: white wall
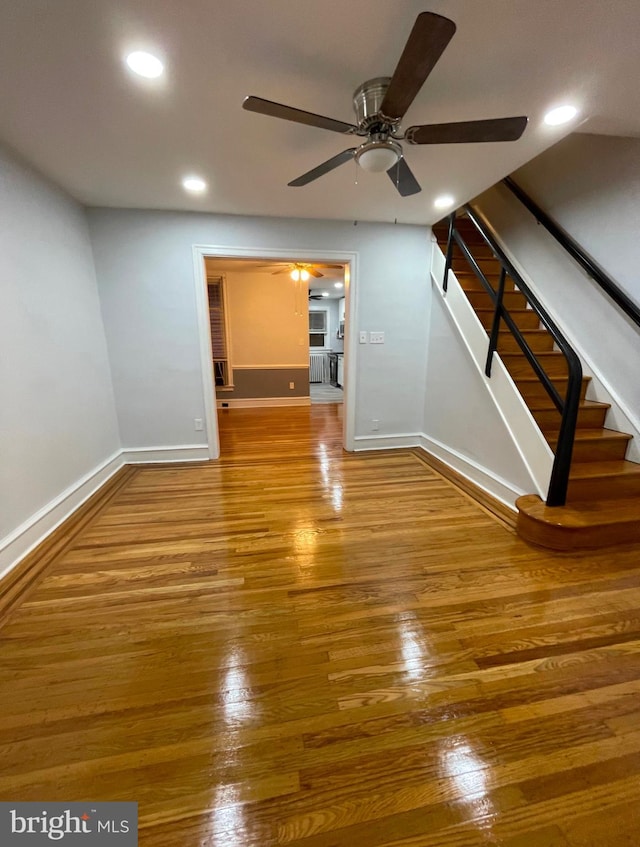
(57, 415)
(461, 422)
(146, 277)
(591, 186)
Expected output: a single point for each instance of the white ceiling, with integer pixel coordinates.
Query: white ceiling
(68, 105)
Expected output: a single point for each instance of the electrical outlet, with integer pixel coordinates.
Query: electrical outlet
(363, 337)
(376, 338)
(197, 423)
(375, 425)
(292, 385)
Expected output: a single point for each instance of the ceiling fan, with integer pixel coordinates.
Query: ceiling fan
(301, 270)
(381, 103)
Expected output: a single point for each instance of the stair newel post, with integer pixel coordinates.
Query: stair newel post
(447, 264)
(495, 326)
(559, 482)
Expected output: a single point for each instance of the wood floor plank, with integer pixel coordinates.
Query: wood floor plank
(297, 645)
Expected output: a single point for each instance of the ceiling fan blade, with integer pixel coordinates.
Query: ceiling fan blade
(288, 113)
(283, 271)
(403, 179)
(325, 265)
(315, 273)
(495, 129)
(324, 168)
(426, 43)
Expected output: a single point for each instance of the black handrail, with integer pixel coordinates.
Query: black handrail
(568, 406)
(576, 252)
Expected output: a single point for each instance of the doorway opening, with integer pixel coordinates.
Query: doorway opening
(274, 335)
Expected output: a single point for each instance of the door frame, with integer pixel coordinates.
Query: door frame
(270, 254)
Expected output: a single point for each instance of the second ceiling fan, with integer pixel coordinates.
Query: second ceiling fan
(301, 270)
(381, 103)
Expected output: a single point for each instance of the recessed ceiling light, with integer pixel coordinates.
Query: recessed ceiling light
(560, 115)
(194, 184)
(444, 201)
(338, 285)
(144, 64)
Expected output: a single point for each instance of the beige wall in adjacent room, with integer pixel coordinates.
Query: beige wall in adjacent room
(268, 322)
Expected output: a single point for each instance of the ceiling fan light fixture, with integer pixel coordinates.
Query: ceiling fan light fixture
(304, 274)
(377, 156)
(295, 274)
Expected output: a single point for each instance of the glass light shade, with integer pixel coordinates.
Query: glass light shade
(377, 159)
(295, 274)
(304, 274)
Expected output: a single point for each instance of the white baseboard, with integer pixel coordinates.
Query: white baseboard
(34, 530)
(475, 473)
(386, 442)
(257, 402)
(17, 544)
(154, 455)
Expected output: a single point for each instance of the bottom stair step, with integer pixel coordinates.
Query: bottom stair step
(593, 523)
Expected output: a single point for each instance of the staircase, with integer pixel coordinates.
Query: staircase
(603, 500)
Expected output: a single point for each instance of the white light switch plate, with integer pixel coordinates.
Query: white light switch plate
(376, 338)
(363, 337)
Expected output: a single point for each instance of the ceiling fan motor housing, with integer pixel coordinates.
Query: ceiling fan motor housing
(367, 100)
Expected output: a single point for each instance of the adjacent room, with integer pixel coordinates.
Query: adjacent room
(277, 332)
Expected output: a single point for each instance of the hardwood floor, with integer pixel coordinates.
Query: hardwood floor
(295, 645)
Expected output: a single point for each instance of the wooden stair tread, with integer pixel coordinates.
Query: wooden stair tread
(535, 381)
(470, 272)
(611, 468)
(542, 354)
(542, 406)
(540, 331)
(481, 251)
(512, 312)
(586, 434)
